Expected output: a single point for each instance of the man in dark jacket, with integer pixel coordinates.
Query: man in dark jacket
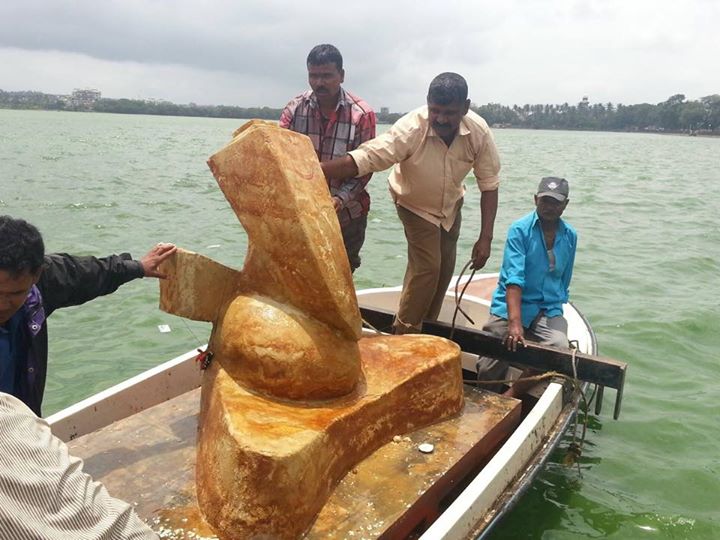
(33, 285)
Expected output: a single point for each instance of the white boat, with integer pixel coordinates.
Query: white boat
(129, 432)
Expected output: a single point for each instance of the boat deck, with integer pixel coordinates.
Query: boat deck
(148, 459)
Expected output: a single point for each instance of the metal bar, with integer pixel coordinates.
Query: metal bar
(590, 368)
(618, 399)
(599, 398)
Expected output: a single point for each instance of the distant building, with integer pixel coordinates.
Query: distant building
(386, 117)
(84, 98)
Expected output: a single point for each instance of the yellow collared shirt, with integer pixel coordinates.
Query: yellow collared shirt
(428, 176)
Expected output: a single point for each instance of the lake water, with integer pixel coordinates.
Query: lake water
(646, 208)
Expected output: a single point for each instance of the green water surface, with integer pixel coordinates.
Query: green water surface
(646, 208)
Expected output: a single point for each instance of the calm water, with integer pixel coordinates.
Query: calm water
(646, 208)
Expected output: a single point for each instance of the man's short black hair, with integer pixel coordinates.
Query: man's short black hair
(447, 88)
(21, 247)
(325, 54)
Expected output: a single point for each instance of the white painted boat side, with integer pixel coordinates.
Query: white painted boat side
(461, 517)
(156, 385)
(462, 280)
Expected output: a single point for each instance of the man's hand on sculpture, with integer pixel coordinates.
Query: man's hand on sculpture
(155, 257)
(337, 203)
(480, 253)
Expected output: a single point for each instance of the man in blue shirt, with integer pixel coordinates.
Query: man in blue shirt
(534, 280)
(536, 271)
(535, 277)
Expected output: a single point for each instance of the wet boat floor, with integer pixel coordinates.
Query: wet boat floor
(148, 460)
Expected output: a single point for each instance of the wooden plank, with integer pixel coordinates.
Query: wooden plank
(148, 460)
(590, 368)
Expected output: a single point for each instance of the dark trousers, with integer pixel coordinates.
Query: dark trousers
(353, 233)
(430, 267)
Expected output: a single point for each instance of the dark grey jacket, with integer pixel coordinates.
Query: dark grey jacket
(65, 281)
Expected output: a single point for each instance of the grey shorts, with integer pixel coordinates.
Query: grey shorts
(545, 330)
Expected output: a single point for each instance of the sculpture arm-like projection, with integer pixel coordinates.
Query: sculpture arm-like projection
(196, 287)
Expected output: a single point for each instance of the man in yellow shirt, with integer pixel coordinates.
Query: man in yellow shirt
(431, 150)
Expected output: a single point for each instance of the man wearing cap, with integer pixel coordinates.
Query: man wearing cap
(534, 282)
(536, 271)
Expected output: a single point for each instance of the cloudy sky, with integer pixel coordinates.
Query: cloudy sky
(252, 52)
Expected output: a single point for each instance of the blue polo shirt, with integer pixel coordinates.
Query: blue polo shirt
(11, 348)
(527, 264)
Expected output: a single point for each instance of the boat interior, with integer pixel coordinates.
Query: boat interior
(148, 458)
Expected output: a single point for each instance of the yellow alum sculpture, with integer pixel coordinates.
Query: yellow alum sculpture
(294, 397)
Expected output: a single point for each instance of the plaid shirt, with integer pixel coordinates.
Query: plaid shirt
(351, 124)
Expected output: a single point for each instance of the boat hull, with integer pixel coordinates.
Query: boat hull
(517, 455)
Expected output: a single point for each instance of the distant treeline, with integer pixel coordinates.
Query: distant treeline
(165, 108)
(38, 100)
(674, 115)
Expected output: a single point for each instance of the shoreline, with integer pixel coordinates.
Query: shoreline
(637, 131)
(701, 133)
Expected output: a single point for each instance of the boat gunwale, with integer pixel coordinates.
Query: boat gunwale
(521, 484)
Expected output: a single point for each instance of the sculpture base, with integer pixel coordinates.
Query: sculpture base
(265, 468)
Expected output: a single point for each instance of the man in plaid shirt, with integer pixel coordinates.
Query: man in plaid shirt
(336, 122)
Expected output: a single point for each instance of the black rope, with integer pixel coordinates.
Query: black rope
(458, 298)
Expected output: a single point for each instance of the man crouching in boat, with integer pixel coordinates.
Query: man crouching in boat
(33, 285)
(535, 277)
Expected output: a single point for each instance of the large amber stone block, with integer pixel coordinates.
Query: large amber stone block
(266, 467)
(292, 399)
(279, 350)
(272, 178)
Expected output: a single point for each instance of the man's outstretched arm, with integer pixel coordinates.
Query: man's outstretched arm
(342, 167)
(488, 210)
(68, 280)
